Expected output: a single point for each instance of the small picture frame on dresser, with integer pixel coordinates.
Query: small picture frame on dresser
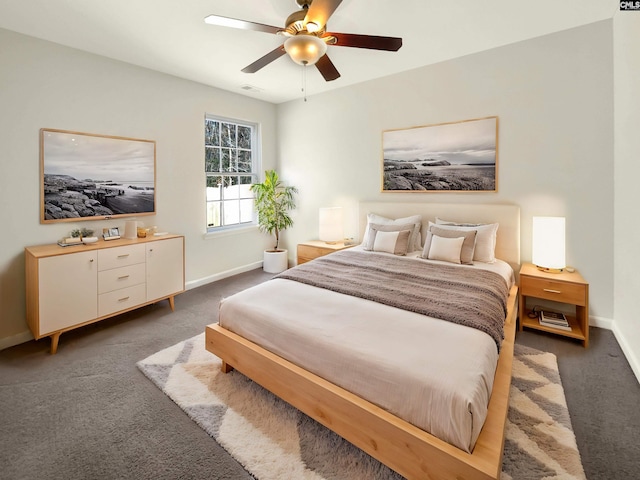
(111, 233)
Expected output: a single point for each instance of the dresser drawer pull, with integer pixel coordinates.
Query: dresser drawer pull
(123, 256)
(123, 277)
(123, 299)
(551, 291)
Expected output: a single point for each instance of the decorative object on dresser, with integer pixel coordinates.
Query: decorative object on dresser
(273, 200)
(330, 225)
(565, 288)
(307, 251)
(72, 287)
(112, 233)
(548, 243)
(130, 229)
(455, 156)
(93, 177)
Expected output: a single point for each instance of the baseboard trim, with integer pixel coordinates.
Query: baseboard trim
(600, 322)
(222, 275)
(14, 340)
(634, 361)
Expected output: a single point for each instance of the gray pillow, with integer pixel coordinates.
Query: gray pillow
(468, 245)
(374, 228)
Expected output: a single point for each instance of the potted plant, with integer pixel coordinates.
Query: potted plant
(273, 200)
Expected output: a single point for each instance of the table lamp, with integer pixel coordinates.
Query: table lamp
(330, 227)
(549, 244)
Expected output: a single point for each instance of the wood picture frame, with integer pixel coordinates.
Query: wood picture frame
(446, 157)
(87, 176)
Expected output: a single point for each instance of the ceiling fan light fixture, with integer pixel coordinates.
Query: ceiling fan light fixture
(305, 49)
(312, 27)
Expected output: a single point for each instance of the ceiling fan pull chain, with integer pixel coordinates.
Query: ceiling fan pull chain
(304, 82)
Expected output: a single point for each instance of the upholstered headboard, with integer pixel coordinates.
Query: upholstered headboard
(508, 216)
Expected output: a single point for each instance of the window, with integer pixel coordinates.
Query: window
(231, 166)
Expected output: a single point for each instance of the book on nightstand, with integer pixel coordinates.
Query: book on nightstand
(554, 320)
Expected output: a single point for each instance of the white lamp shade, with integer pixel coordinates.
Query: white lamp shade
(549, 242)
(330, 228)
(305, 49)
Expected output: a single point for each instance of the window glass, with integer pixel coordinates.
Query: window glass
(231, 167)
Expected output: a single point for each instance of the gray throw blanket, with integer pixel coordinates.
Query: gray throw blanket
(466, 296)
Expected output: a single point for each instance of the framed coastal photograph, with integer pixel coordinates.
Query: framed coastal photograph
(94, 177)
(446, 157)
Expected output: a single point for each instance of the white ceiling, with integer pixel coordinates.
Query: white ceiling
(170, 36)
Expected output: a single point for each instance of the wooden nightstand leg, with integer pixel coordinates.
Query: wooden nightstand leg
(172, 303)
(583, 318)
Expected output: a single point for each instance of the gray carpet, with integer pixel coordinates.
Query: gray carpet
(88, 412)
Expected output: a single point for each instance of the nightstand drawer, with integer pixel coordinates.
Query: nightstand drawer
(573, 293)
(307, 253)
(315, 248)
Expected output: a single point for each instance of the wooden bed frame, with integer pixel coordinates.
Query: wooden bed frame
(408, 450)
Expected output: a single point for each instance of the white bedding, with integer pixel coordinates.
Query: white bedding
(435, 374)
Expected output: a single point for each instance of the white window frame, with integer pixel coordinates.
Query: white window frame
(243, 197)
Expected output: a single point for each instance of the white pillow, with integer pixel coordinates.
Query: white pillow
(392, 242)
(415, 240)
(446, 249)
(485, 238)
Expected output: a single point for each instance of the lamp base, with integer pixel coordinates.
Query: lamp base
(550, 270)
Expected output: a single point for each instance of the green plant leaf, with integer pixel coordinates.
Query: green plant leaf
(273, 201)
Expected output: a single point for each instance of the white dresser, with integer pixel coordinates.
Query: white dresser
(68, 287)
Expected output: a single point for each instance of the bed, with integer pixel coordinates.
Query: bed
(288, 363)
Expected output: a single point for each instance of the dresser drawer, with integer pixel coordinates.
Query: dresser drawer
(122, 299)
(123, 277)
(573, 293)
(115, 257)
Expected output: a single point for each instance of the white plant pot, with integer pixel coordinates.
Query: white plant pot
(275, 262)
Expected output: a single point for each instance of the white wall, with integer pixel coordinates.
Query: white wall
(46, 85)
(627, 194)
(553, 96)
(554, 99)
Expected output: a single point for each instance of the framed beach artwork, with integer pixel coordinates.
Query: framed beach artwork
(95, 177)
(447, 157)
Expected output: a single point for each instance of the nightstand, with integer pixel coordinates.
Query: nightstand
(567, 288)
(307, 251)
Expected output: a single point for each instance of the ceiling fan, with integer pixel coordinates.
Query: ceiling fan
(308, 38)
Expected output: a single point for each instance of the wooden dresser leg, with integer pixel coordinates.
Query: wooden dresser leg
(226, 368)
(172, 304)
(54, 342)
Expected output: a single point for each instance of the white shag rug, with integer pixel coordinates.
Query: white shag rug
(274, 441)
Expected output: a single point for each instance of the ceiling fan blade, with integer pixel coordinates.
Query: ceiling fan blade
(326, 67)
(372, 42)
(264, 61)
(320, 11)
(241, 24)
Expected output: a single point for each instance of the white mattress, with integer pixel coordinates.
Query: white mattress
(435, 374)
